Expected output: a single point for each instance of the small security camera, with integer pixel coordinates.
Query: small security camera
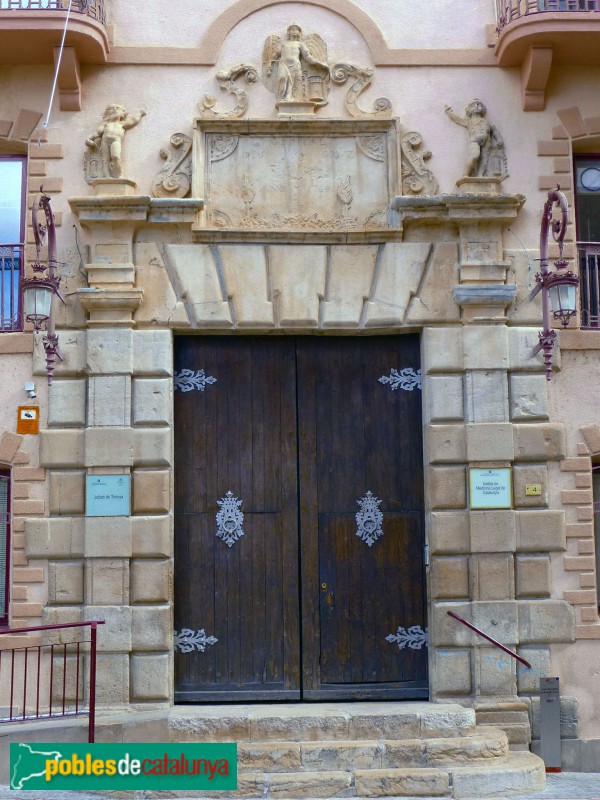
(30, 389)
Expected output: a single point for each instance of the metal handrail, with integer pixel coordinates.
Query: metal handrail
(509, 10)
(11, 269)
(493, 641)
(89, 8)
(54, 651)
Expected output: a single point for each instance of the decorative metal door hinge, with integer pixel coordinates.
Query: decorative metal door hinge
(187, 640)
(413, 637)
(369, 519)
(406, 379)
(229, 519)
(187, 380)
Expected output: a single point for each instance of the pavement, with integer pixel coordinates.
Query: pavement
(564, 786)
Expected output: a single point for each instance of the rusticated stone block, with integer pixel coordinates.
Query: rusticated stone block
(62, 448)
(444, 397)
(152, 399)
(152, 447)
(485, 347)
(151, 536)
(495, 673)
(579, 563)
(65, 582)
(585, 513)
(9, 444)
(522, 341)
(61, 615)
(580, 530)
(150, 580)
(108, 447)
(447, 487)
(153, 353)
(528, 680)
(110, 351)
(445, 443)
(580, 464)
(591, 434)
(106, 581)
(577, 497)
(151, 491)
(486, 395)
(152, 628)
(452, 671)
(66, 404)
(115, 635)
(528, 397)
(54, 538)
(580, 598)
(533, 576)
(490, 441)
(67, 492)
(546, 621)
(448, 532)
(540, 531)
(150, 677)
(524, 474)
(27, 507)
(109, 401)
(498, 618)
(450, 578)
(442, 350)
(493, 577)
(107, 537)
(112, 677)
(541, 442)
(73, 349)
(493, 531)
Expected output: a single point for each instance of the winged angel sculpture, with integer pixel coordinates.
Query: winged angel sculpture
(295, 70)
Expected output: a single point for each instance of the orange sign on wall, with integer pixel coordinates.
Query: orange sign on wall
(28, 419)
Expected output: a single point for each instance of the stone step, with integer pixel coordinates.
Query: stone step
(300, 722)
(482, 745)
(521, 773)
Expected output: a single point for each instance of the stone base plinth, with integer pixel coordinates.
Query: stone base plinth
(114, 187)
(474, 185)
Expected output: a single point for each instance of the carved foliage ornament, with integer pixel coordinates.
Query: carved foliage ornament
(174, 179)
(416, 177)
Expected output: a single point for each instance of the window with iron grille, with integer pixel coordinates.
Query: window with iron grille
(587, 211)
(4, 544)
(12, 237)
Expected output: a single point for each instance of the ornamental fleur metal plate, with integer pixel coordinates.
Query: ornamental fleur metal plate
(187, 640)
(414, 637)
(187, 380)
(369, 519)
(229, 519)
(406, 379)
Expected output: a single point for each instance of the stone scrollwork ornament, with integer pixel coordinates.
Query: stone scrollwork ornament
(229, 519)
(227, 82)
(416, 177)
(340, 74)
(174, 179)
(369, 519)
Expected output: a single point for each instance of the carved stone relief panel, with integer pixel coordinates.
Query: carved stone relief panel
(322, 177)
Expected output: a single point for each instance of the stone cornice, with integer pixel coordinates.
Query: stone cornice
(136, 209)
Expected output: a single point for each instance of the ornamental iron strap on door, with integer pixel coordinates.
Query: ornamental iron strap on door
(298, 429)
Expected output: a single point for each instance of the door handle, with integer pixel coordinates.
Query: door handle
(330, 600)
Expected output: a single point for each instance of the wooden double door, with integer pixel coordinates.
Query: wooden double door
(299, 560)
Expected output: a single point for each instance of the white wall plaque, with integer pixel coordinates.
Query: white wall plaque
(490, 488)
(108, 495)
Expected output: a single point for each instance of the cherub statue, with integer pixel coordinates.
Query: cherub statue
(296, 70)
(109, 137)
(487, 157)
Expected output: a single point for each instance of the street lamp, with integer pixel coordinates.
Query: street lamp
(39, 290)
(558, 288)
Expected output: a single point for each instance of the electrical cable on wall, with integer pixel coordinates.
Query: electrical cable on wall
(56, 70)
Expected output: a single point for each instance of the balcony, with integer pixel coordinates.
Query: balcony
(11, 266)
(537, 34)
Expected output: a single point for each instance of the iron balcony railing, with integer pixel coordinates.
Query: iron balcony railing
(589, 284)
(45, 681)
(11, 269)
(90, 8)
(509, 10)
